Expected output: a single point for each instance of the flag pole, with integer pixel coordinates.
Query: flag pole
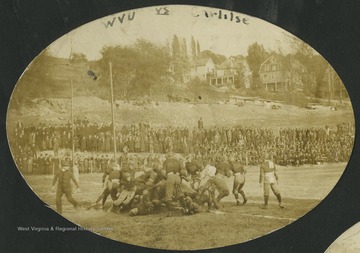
(112, 110)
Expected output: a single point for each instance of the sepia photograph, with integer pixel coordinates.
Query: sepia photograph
(180, 127)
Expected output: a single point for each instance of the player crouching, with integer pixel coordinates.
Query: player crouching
(126, 192)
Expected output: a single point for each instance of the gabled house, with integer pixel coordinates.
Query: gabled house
(280, 73)
(202, 68)
(230, 71)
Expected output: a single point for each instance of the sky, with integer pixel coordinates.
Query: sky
(213, 31)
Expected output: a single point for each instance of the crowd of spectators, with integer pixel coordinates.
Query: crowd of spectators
(36, 148)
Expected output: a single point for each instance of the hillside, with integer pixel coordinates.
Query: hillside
(57, 111)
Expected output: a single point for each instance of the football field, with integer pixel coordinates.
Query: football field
(302, 189)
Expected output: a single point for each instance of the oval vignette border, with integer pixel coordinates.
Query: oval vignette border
(172, 6)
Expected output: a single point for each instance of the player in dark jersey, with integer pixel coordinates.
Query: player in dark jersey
(219, 180)
(63, 177)
(193, 168)
(111, 180)
(173, 169)
(239, 171)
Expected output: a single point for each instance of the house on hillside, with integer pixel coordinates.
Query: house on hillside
(231, 71)
(202, 68)
(280, 73)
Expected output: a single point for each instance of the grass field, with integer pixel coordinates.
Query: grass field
(302, 189)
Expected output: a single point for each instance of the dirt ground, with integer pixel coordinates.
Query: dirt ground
(302, 189)
(180, 114)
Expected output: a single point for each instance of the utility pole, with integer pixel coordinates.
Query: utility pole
(112, 109)
(340, 89)
(72, 124)
(291, 81)
(329, 83)
(72, 109)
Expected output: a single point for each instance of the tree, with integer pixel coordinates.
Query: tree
(240, 79)
(185, 56)
(315, 65)
(180, 58)
(36, 81)
(217, 58)
(184, 51)
(78, 58)
(153, 64)
(193, 48)
(168, 47)
(256, 56)
(310, 85)
(299, 46)
(124, 60)
(176, 57)
(175, 47)
(198, 51)
(139, 66)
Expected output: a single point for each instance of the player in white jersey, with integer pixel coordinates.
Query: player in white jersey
(269, 179)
